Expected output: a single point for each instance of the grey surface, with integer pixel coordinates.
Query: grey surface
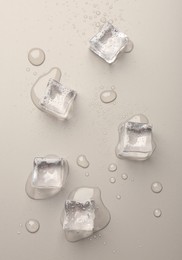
(147, 81)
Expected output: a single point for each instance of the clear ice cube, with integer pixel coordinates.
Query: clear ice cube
(109, 42)
(79, 216)
(135, 139)
(84, 213)
(58, 100)
(47, 178)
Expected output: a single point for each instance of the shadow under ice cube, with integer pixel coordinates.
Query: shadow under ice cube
(109, 42)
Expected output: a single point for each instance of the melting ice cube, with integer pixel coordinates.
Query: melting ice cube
(51, 96)
(58, 99)
(47, 178)
(109, 42)
(135, 139)
(84, 214)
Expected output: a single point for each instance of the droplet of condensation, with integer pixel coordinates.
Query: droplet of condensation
(103, 19)
(118, 197)
(27, 69)
(108, 96)
(156, 187)
(82, 161)
(98, 12)
(112, 180)
(124, 176)
(157, 213)
(32, 225)
(112, 167)
(36, 56)
(98, 24)
(87, 174)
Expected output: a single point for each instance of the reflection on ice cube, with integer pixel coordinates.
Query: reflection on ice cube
(109, 42)
(135, 139)
(84, 214)
(47, 178)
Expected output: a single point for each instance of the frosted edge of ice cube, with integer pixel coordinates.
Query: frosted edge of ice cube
(125, 45)
(138, 156)
(102, 214)
(38, 193)
(60, 106)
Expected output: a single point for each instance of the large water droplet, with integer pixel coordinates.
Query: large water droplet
(157, 213)
(32, 225)
(112, 180)
(108, 96)
(36, 56)
(112, 167)
(82, 161)
(156, 187)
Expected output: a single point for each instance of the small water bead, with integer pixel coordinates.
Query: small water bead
(98, 12)
(112, 167)
(156, 187)
(82, 161)
(87, 174)
(98, 24)
(18, 232)
(112, 180)
(124, 176)
(27, 69)
(36, 56)
(108, 96)
(157, 213)
(32, 225)
(118, 197)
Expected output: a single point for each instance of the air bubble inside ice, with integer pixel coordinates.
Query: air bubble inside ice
(84, 214)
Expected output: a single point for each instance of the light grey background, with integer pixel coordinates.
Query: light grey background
(148, 81)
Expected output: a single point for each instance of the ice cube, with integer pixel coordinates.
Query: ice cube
(47, 178)
(84, 213)
(109, 42)
(135, 139)
(58, 100)
(79, 216)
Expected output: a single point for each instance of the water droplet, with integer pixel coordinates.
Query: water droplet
(99, 235)
(118, 197)
(157, 213)
(156, 187)
(18, 232)
(94, 236)
(98, 12)
(82, 161)
(32, 225)
(105, 243)
(36, 56)
(112, 167)
(108, 96)
(87, 174)
(35, 73)
(98, 24)
(112, 180)
(27, 69)
(124, 176)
